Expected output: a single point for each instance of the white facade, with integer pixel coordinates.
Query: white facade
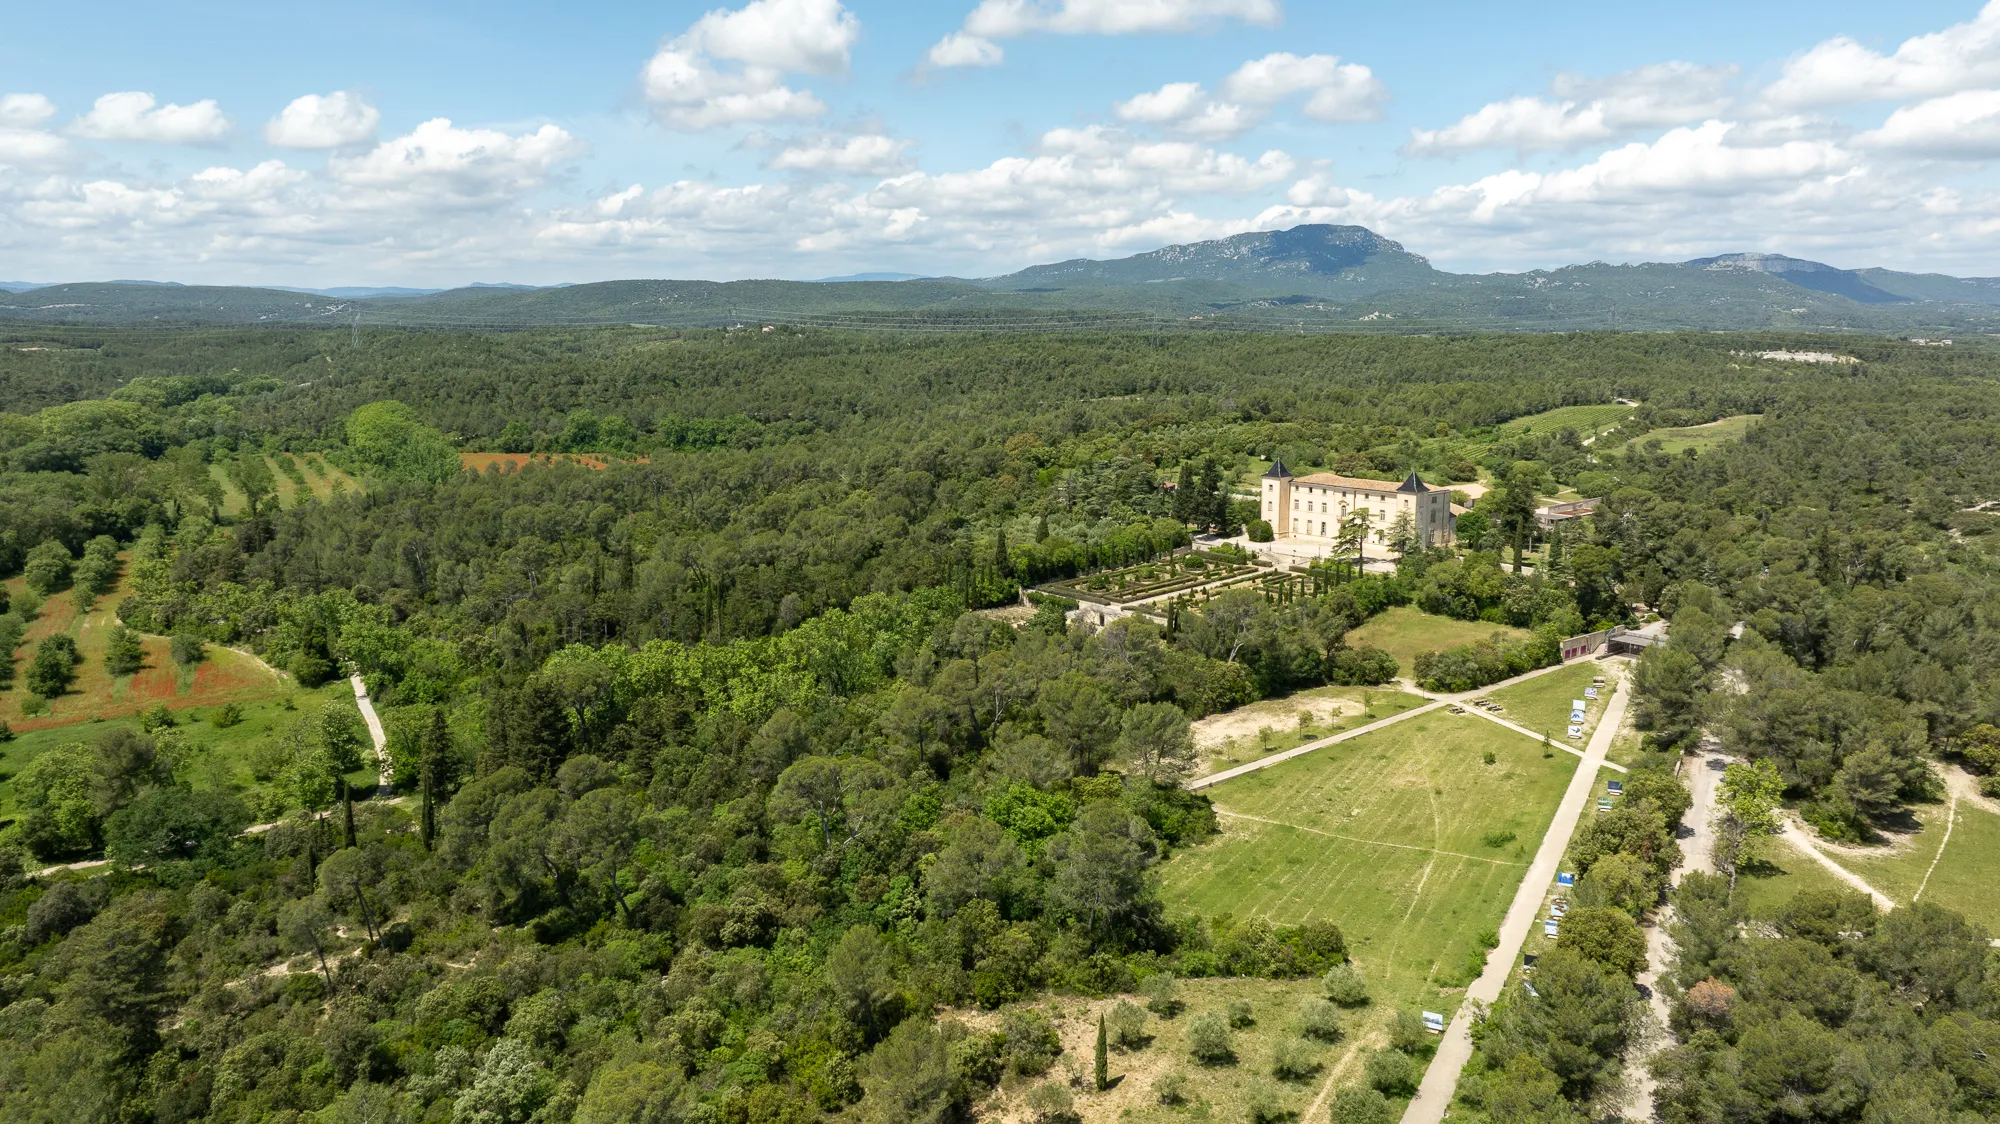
(1313, 507)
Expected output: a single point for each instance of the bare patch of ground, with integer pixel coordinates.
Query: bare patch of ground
(1218, 730)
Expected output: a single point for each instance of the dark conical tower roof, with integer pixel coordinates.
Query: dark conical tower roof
(1277, 471)
(1412, 484)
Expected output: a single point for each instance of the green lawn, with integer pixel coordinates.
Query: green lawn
(1781, 870)
(1385, 835)
(1542, 703)
(1405, 632)
(1586, 420)
(1699, 437)
(1965, 875)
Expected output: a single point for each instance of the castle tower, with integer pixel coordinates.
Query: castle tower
(1277, 498)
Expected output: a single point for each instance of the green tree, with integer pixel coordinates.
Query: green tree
(57, 788)
(510, 1086)
(1606, 936)
(907, 1078)
(125, 654)
(1100, 865)
(393, 440)
(47, 568)
(249, 472)
(1156, 739)
(169, 824)
(53, 669)
(1747, 799)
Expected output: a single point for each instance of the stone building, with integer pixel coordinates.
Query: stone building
(1312, 508)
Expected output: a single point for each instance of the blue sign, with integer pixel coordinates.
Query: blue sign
(1566, 879)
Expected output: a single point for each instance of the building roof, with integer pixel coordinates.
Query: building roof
(1277, 470)
(1356, 484)
(1412, 484)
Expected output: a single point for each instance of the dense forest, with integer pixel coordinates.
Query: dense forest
(718, 786)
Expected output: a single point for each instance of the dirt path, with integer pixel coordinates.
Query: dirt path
(385, 771)
(1800, 836)
(1433, 1097)
(1697, 835)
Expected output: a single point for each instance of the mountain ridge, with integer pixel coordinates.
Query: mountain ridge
(1315, 276)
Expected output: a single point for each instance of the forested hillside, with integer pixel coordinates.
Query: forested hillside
(715, 786)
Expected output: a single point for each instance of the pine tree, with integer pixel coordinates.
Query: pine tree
(1103, 1057)
(1184, 498)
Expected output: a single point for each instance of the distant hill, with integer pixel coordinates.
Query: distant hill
(870, 277)
(1316, 277)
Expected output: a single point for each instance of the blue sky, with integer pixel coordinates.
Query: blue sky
(443, 143)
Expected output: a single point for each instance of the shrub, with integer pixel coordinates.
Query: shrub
(6, 731)
(1498, 838)
(309, 669)
(1407, 1033)
(1320, 1019)
(1361, 1106)
(1128, 1025)
(1209, 1039)
(1344, 986)
(1294, 1059)
(1240, 1014)
(1162, 996)
(1260, 531)
(187, 649)
(1032, 1042)
(156, 719)
(1392, 1072)
(229, 714)
(1171, 1088)
(1050, 1103)
(1264, 1103)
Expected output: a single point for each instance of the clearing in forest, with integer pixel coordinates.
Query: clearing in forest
(1406, 632)
(1588, 421)
(322, 481)
(1959, 874)
(1700, 438)
(223, 675)
(1212, 1091)
(1406, 838)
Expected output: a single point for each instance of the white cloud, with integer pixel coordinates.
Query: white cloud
(1338, 91)
(867, 154)
(1961, 126)
(25, 111)
(758, 44)
(1840, 70)
(974, 44)
(1185, 108)
(331, 121)
(136, 116)
(438, 164)
(1592, 110)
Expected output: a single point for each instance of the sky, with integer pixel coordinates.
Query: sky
(442, 143)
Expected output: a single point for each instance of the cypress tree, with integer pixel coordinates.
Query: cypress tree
(1103, 1057)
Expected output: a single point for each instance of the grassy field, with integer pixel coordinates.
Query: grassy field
(100, 701)
(1215, 1093)
(1272, 725)
(1699, 437)
(1966, 871)
(1406, 838)
(1782, 870)
(1404, 633)
(222, 756)
(323, 481)
(1542, 703)
(1586, 420)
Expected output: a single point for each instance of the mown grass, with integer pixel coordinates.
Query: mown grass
(1542, 703)
(1698, 437)
(1405, 633)
(1401, 837)
(1280, 717)
(1967, 873)
(1779, 871)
